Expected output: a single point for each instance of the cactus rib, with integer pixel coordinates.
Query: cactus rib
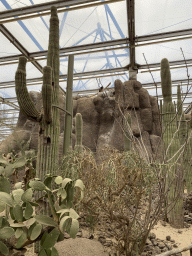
(47, 93)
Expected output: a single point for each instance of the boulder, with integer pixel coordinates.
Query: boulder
(80, 247)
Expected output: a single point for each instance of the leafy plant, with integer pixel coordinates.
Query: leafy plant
(22, 221)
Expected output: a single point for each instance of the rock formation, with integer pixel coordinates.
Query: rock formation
(103, 117)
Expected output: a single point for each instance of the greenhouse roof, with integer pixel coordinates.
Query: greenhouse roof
(110, 39)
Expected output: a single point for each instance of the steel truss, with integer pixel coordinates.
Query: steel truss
(129, 43)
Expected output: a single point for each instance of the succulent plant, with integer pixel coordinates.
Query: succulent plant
(166, 80)
(171, 147)
(49, 118)
(69, 107)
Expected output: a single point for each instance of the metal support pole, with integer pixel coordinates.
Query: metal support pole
(69, 107)
(132, 74)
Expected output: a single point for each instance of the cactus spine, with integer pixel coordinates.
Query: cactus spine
(171, 145)
(79, 132)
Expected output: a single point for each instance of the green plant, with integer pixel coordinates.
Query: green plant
(172, 130)
(122, 202)
(47, 158)
(23, 218)
(68, 107)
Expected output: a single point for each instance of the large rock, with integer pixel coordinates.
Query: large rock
(80, 247)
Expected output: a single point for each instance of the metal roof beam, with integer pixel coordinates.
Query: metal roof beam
(4, 101)
(38, 9)
(19, 46)
(85, 75)
(171, 63)
(87, 48)
(179, 81)
(131, 31)
(166, 35)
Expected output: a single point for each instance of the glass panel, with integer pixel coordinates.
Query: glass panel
(32, 33)
(156, 16)
(101, 60)
(155, 52)
(95, 24)
(96, 83)
(7, 48)
(2, 7)
(11, 4)
(7, 72)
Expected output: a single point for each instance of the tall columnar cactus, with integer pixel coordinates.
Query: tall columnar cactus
(171, 146)
(48, 119)
(68, 107)
(184, 133)
(79, 132)
(166, 81)
(48, 141)
(127, 132)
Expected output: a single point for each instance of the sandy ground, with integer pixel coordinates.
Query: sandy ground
(183, 239)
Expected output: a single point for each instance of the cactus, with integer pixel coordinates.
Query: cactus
(25, 102)
(79, 132)
(184, 131)
(127, 129)
(47, 159)
(171, 145)
(68, 107)
(166, 81)
(48, 141)
(47, 94)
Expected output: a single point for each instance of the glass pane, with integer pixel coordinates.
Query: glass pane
(7, 48)
(95, 24)
(2, 7)
(156, 16)
(96, 83)
(7, 72)
(154, 53)
(101, 60)
(32, 33)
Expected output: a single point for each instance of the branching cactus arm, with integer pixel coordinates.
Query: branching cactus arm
(26, 104)
(166, 80)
